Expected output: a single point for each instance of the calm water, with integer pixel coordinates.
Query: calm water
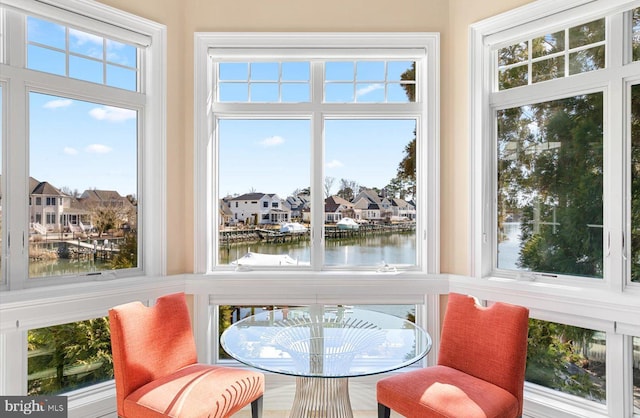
(392, 248)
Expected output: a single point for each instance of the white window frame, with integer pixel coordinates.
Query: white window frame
(608, 304)
(149, 102)
(248, 46)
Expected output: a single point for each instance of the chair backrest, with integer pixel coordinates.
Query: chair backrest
(488, 343)
(148, 343)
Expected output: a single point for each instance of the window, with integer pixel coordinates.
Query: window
(69, 356)
(83, 155)
(567, 359)
(636, 374)
(554, 132)
(342, 142)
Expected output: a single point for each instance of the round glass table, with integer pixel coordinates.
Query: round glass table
(323, 347)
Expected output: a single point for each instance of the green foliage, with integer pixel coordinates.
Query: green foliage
(556, 358)
(69, 356)
(127, 257)
(550, 174)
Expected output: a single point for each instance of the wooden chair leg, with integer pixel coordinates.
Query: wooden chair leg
(383, 411)
(256, 408)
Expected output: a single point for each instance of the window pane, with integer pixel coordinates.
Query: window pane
(90, 223)
(513, 77)
(370, 71)
(636, 34)
(264, 191)
(636, 375)
(264, 92)
(84, 43)
(122, 54)
(70, 356)
(635, 183)
(372, 93)
(85, 69)
(339, 71)
(233, 71)
(587, 34)
(295, 71)
(120, 77)
(229, 315)
(46, 60)
(567, 359)
(550, 187)
(586, 60)
(338, 93)
(85, 53)
(547, 69)
(45, 33)
(369, 200)
(513, 54)
(264, 71)
(548, 44)
(295, 93)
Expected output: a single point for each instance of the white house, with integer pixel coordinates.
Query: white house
(259, 209)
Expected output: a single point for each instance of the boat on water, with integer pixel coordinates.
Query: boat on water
(259, 259)
(292, 228)
(347, 223)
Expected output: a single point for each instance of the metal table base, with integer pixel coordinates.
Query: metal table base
(318, 397)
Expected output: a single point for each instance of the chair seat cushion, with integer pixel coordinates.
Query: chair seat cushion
(198, 390)
(442, 391)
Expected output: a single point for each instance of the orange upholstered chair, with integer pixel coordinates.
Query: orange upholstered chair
(156, 369)
(480, 371)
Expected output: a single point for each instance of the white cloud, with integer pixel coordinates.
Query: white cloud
(334, 164)
(98, 149)
(70, 151)
(369, 89)
(58, 103)
(112, 114)
(82, 38)
(272, 141)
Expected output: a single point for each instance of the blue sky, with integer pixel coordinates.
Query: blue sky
(77, 144)
(273, 156)
(81, 145)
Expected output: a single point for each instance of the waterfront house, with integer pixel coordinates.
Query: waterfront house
(336, 208)
(403, 209)
(259, 209)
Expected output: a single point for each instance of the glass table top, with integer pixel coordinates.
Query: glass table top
(320, 341)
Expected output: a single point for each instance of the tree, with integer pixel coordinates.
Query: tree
(406, 173)
(127, 256)
(56, 350)
(348, 189)
(328, 184)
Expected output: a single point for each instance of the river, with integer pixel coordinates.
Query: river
(397, 248)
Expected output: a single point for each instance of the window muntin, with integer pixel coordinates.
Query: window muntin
(554, 55)
(299, 202)
(94, 226)
(550, 176)
(66, 357)
(270, 82)
(568, 359)
(369, 81)
(69, 52)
